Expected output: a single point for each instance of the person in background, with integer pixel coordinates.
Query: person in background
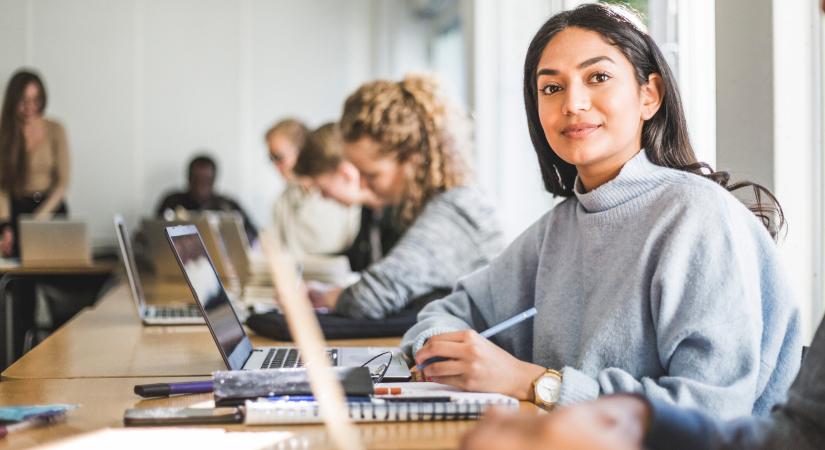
(410, 145)
(650, 277)
(200, 195)
(305, 222)
(34, 159)
(322, 164)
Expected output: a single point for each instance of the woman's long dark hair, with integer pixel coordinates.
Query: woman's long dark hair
(664, 137)
(13, 156)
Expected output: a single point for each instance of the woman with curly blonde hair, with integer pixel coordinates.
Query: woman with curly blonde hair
(409, 145)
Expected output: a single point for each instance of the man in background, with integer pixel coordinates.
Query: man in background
(200, 195)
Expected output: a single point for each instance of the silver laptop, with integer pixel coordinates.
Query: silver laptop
(229, 334)
(54, 243)
(184, 313)
(230, 225)
(162, 258)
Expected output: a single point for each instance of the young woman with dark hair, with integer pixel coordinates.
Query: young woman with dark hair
(650, 277)
(34, 158)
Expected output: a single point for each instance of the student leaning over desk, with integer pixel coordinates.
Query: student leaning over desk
(409, 146)
(650, 277)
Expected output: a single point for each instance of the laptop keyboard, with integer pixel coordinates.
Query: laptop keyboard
(288, 358)
(176, 312)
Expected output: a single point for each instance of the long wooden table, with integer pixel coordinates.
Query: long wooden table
(97, 358)
(104, 400)
(110, 341)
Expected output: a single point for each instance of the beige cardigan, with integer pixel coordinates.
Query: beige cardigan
(308, 224)
(48, 168)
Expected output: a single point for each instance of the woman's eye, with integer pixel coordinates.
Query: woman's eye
(550, 89)
(599, 77)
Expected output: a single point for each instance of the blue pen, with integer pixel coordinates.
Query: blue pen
(490, 332)
(311, 398)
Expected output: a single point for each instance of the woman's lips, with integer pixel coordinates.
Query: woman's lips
(579, 131)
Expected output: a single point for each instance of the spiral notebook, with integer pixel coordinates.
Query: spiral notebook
(411, 406)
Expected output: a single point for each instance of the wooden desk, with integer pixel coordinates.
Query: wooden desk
(104, 401)
(110, 341)
(98, 357)
(11, 273)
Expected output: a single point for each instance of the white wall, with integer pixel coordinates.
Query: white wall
(142, 85)
(766, 90)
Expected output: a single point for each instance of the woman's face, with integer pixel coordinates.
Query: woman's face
(283, 154)
(29, 106)
(382, 174)
(590, 105)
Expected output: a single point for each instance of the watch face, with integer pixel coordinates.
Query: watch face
(548, 389)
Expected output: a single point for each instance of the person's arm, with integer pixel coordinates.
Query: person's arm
(6, 234)
(442, 245)
(799, 424)
(726, 325)
(60, 182)
(472, 304)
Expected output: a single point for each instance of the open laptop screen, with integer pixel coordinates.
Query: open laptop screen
(207, 289)
(129, 261)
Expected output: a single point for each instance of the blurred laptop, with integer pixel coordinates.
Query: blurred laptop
(236, 242)
(185, 312)
(162, 258)
(230, 336)
(54, 243)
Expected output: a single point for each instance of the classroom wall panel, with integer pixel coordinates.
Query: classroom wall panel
(12, 38)
(84, 50)
(189, 92)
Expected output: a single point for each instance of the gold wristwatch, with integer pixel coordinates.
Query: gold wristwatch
(547, 389)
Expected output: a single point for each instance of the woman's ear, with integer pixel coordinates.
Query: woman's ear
(652, 94)
(349, 172)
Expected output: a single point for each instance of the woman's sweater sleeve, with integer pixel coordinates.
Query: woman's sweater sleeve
(451, 238)
(714, 290)
(799, 424)
(486, 297)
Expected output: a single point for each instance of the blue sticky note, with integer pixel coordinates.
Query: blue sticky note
(18, 413)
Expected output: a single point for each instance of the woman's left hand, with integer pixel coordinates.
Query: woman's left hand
(326, 297)
(476, 364)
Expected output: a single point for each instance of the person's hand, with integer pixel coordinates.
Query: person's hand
(615, 422)
(476, 364)
(7, 242)
(323, 295)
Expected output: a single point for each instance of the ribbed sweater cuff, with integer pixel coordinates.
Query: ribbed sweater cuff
(577, 387)
(422, 338)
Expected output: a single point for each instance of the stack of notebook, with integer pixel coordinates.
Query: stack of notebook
(417, 402)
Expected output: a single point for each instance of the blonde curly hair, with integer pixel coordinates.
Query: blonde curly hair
(412, 121)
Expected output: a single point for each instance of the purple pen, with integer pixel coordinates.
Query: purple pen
(167, 389)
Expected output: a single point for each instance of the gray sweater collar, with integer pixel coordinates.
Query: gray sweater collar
(638, 176)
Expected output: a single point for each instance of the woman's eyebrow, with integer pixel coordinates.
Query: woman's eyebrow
(582, 65)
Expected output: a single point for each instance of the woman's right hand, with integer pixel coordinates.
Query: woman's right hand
(7, 242)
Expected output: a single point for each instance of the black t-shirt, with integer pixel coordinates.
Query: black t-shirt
(376, 237)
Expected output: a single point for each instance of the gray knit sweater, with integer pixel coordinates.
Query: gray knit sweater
(658, 282)
(456, 233)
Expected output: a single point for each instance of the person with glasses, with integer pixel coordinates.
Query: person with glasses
(306, 223)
